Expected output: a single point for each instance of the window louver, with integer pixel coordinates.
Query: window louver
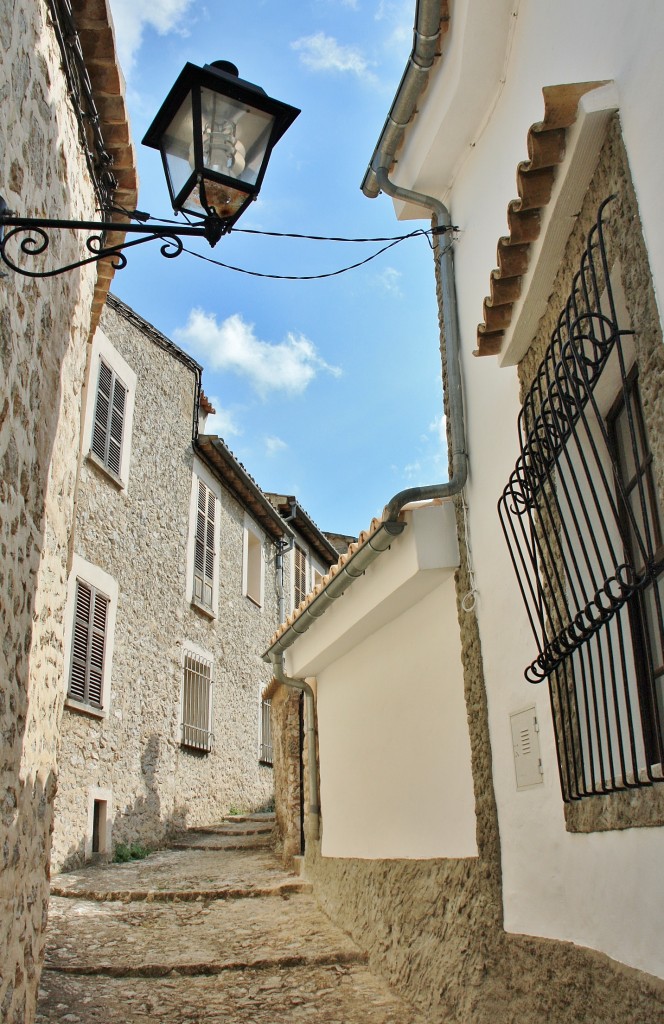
(204, 552)
(109, 418)
(300, 573)
(88, 646)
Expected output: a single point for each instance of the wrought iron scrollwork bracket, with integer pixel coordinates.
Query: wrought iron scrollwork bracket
(33, 237)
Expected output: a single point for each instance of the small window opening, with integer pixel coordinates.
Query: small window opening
(99, 826)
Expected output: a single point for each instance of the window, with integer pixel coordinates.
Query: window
(196, 718)
(580, 518)
(86, 672)
(640, 520)
(300, 588)
(110, 408)
(92, 598)
(253, 568)
(265, 754)
(204, 545)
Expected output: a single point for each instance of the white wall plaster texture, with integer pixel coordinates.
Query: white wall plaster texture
(139, 535)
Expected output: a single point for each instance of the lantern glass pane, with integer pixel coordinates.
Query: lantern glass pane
(225, 201)
(178, 147)
(235, 136)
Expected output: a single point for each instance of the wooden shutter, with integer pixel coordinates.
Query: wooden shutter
(300, 573)
(109, 418)
(204, 545)
(88, 646)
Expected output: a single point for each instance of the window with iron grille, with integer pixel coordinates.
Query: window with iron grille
(196, 727)
(109, 418)
(300, 589)
(265, 753)
(86, 672)
(204, 545)
(580, 518)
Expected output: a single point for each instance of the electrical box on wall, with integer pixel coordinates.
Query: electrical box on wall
(525, 743)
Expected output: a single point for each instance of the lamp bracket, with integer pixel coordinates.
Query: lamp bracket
(33, 237)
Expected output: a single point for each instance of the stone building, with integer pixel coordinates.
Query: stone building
(174, 590)
(489, 710)
(51, 164)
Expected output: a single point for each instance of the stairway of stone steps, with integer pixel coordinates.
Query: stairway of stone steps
(210, 930)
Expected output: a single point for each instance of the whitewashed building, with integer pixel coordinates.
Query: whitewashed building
(488, 693)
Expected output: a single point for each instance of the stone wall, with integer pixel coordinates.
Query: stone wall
(43, 331)
(139, 536)
(286, 733)
(434, 928)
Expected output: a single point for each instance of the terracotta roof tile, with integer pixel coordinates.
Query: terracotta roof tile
(323, 583)
(534, 180)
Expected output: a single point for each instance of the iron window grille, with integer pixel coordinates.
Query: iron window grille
(204, 550)
(196, 728)
(265, 751)
(580, 517)
(86, 674)
(108, 426)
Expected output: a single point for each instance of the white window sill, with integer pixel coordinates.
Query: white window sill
(98, 464)
(86, 709)
(258, 604)
(203, 609)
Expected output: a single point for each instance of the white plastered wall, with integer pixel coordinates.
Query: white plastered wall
(605, 889)
(393, 739)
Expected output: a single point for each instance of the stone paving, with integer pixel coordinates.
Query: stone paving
(204, 933)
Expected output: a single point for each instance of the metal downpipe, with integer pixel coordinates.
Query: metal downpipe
(459, 457)
(312, 769)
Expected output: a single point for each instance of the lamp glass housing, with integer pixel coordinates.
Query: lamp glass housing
(216, 134)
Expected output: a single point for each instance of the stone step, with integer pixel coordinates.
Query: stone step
(270, 996)
(153, 939)
(183, 876)
(217, 841)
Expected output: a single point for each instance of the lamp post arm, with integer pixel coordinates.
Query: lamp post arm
(34, 234)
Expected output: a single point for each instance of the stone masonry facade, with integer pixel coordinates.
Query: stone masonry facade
(44, 326)
(434, 928)
(152, 784)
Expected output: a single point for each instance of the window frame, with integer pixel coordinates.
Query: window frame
(201, 475)
(103, 583)
(191, 652)
(253, 575)
(104, 353)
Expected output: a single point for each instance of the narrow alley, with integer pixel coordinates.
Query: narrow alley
(210, 930)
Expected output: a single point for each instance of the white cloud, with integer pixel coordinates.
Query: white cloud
(222, 422)
(288, 366)
(389, 280)
(274, 445)
(321, 52)
(132, 17)
(439, 427)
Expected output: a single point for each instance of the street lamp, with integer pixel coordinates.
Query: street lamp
(215, 133)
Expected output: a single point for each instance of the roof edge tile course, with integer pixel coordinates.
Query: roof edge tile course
(546, 142)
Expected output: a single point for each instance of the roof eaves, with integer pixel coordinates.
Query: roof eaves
(218, 456)
(546, 142)
(94, 26)
(120, 307)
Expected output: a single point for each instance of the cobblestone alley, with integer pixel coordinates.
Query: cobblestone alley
(212, 930)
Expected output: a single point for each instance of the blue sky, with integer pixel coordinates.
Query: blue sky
(330, 389)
